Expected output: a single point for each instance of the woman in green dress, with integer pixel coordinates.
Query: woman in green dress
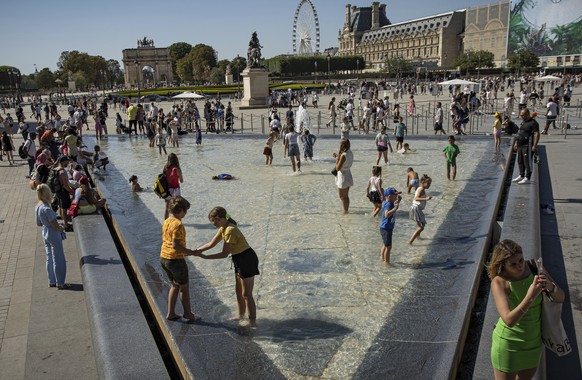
(517, 338)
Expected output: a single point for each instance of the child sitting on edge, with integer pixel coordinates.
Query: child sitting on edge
(135, 187)
(405, 148)
(100, 159)
(172, 259)
(411, 179)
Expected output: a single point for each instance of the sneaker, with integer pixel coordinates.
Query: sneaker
(523, 181)
(517, 179)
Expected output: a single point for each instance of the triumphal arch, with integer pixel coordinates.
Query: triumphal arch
(147, 65)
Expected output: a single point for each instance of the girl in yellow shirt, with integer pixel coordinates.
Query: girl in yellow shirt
(246, 262)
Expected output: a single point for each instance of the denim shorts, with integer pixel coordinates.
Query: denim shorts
(386, 237)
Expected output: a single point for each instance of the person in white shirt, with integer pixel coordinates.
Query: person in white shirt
(350, 113)
(551, 115)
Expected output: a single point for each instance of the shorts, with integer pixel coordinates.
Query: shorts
(267, 151)
(386, 236)
(414, 182)
(452, 162)
(174, 191)
(176, 270)
(63, 198)
(381, 148)
(293, 150)
(374, 197)
(438, 126)
(246, 263)
(400, 139)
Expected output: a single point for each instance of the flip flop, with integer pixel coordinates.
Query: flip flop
(173, 318)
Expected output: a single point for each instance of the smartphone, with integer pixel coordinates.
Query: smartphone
(540, 266)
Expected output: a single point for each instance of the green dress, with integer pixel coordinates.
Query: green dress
(519, 347)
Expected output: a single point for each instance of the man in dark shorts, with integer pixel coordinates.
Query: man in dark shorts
(529, 128)
(64, 194)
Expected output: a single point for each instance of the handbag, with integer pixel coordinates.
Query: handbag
(553, 334)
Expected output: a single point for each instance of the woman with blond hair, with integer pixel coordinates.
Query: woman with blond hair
(52, 234)
(516, 286)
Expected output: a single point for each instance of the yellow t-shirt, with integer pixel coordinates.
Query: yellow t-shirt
(172, 229)
(497, 126)
(233, 236)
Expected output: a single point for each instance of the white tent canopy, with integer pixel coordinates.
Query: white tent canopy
(547, 78)
(457, 82)
(188, 95)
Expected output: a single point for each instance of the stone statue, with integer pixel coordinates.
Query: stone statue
(145, 42)
(228, 70)
(69, 75)
(254, 52)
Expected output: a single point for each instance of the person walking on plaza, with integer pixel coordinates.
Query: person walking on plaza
(30, 150)
(516, 346)
(52, 234)
(292, 149)
(132, 117)
(438, 119)
(244, 258)
(343, 163)
(529, 129)
(332, 113)
(551, 115)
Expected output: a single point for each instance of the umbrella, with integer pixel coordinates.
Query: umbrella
(188, 95)
(547, 78)
(457, 82)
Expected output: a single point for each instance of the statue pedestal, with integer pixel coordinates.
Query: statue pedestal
(228, 79)
(256, 88)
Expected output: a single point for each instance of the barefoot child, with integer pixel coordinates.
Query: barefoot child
(411, 179)
(161, 141)
(497, 126)
(135, 186)
(244, 258)
(405, 148)
(268, 149)
(389, 207)
(418, 205)
(172, 259)
(374, 190)
(451, 152)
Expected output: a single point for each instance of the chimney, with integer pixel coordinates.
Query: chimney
(375, 15)
(383, 10)
(348, 17)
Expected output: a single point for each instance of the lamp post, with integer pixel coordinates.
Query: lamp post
(238, 76)
(358, 70)
(328, 80)
(315, 63)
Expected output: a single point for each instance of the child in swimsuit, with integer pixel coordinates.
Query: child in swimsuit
(411, 179)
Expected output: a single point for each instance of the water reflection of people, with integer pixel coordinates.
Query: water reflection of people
(517, 339)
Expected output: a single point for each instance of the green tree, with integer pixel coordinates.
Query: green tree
(178, 50)
(216, 75)
(184, 69)
(80, 81)
(523, 60)
(396, 65)
(203, 58)
(45, 79)
(474, 59)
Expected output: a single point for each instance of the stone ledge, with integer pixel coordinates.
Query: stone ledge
(124, 346)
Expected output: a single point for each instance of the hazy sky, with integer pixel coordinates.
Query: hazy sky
(36, 32)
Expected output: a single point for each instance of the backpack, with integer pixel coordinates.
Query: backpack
(21, 152)
(53, 181)
(161, 186)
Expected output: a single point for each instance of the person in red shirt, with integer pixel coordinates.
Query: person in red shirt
(174, 177)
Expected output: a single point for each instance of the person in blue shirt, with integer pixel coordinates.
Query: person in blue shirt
(390, 205)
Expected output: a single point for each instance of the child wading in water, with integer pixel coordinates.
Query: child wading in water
(389, 207)
(172, 259)
(411, 179)
(244, 258)
(451, 152)
(161, 141)
(405, 148)
(497, 126)
(135, 186)
(374, 190)
(268, 149)
(418, 205)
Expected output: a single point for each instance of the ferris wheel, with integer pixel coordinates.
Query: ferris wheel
(305, 29)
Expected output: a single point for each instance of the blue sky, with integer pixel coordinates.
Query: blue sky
(36, 32)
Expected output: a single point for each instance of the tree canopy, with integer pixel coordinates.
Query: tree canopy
(523, 59)
(474, 59)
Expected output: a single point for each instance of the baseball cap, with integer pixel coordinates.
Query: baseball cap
(391, 191)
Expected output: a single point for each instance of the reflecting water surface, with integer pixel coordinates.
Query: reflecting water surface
(323, 294)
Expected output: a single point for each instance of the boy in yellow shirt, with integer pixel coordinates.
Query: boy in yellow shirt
(172, 259)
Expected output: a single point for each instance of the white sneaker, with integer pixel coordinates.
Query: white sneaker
(523, 181)
(517, 179)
